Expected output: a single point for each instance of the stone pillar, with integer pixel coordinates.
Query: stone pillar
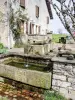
(63, 79)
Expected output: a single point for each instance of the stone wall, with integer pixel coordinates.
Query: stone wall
(64, 77)
(30, 77)
(37, 38)
(40, 49)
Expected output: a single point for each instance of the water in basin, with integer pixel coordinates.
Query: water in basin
(25, 65)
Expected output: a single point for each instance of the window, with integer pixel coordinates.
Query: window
(37, 11)
(30, 28)
(22, 26)
(47, 20)
(22, 3)
(27, 27)
(36, 29)
(39, 28)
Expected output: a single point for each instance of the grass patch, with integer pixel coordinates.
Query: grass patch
(56, 37)
(3, 98)
(48, 95)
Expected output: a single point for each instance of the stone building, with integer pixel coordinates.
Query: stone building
(39, 14)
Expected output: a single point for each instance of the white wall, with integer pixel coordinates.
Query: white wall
(43, 13)
(3, 25)
(7, 39)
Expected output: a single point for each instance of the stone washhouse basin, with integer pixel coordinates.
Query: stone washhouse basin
(38, 72)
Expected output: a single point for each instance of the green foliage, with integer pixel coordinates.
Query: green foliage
(53, 96)
(15, 20)
(56, 37)
(19, 45)
(1, 46)
(3, 98)
(2, 49)
(37, 53)
(1, 16)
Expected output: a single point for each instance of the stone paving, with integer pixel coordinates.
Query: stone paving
(8, 92)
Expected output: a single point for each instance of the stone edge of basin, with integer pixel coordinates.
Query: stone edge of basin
(6, 67)
(62, 60)
(25, 55)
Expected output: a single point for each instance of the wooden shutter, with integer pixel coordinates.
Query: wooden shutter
(22, 3)
(39, 29)
(37, 11)
(30, 28)
(47, 20)
(36, 29)
(27, 27)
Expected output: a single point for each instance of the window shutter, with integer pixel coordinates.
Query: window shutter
(36, 28)
(22, 3)
(30, 28)
(47, 20)
(39, 29)
(37, 11)
(27, 27)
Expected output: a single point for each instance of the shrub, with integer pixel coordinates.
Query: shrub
(48, 95)
(1, 46)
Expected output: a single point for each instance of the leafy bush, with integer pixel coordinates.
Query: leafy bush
(18, 45)
(53, 96)
(1, 46)
(2, 49)
(37, 53)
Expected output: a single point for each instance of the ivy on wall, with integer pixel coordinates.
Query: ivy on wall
(15, 19)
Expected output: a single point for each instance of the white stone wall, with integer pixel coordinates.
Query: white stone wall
(3, 24)
(34, 78)
(43, 14)
(6, 35)
(64, 79)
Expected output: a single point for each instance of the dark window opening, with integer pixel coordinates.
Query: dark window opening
(37, 11)
(47, 20)
(22, 3)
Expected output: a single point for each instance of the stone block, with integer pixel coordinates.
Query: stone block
(58, 72)
(56, 83)
(70, 88)
(34, 78)
(65, 84)
(68, 68)
(71, 80)
(61, 83)
(74, 71)
(71, 94)
(55, 88)
(59, 77)
(56, 66)
(63, 91)
(61, 65)
(68, 74)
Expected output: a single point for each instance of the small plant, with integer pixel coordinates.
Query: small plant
(37, 53)
(48, 95)
(1, 46)
(19, 45)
